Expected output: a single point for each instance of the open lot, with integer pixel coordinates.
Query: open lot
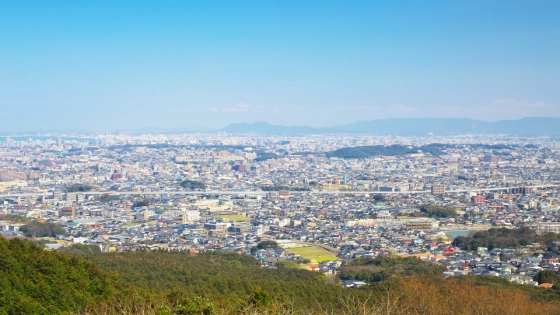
(312, 253)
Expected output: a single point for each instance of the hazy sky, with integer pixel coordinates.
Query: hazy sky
(127, 64)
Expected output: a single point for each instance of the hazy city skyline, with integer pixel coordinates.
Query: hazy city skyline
(135, 64)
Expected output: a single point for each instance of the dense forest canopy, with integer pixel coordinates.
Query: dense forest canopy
(217, 276)
(35, 281)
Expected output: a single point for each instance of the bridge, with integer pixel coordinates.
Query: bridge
(264, 193)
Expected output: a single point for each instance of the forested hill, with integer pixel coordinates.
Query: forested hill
(391, 150)
(35, 281)
(505, 238)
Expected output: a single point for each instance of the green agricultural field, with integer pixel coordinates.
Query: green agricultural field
(312, 253)
(234, 217)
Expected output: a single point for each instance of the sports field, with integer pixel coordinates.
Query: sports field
(234, 217)
(312, 253)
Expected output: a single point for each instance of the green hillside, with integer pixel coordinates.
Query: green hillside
(218, 276)
(35, 281)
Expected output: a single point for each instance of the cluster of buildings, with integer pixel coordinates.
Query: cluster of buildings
(125, 192)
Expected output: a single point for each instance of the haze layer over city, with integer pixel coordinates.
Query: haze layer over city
(279, 157)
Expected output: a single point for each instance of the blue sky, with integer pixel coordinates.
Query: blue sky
(101, 65)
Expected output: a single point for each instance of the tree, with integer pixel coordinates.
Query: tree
(38, 229)
(14, 218)
(547, 276)
(78, 188)
(267, 244)
(107, 197)
(260, 298)
(438, 212)
(141, 203)
(192, 184)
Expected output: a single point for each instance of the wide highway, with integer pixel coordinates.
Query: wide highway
(264, 193)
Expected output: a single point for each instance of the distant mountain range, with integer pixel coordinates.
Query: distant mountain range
(531, 126)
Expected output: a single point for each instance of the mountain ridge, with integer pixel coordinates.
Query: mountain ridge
(529, 126)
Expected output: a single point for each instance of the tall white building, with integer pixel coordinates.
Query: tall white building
(190, 216)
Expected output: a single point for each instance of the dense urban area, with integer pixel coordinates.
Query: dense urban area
(463, 205)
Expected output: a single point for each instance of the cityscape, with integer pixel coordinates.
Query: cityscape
(220, 192)
(279, 157)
